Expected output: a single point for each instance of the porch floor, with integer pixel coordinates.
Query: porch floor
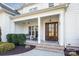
(53, 43)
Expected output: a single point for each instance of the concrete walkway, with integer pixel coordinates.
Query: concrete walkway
(36, 52)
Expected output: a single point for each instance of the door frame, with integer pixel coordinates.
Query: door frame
(54, 29)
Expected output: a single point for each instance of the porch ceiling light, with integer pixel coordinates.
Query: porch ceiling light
(50, 18)
(28, 22)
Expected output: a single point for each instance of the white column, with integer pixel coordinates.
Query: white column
(61, 29)
(39, 30)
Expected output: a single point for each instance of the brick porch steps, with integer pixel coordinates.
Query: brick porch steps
(50, 47)
(46, 46)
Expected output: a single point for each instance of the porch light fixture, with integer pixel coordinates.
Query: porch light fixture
(50, 18)
(28, 22)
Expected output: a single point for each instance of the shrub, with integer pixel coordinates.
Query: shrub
(4, 47)
(1, 42)
(17, 39)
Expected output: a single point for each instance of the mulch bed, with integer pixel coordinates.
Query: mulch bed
(18, 50)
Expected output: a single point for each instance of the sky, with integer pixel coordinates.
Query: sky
(15, 6)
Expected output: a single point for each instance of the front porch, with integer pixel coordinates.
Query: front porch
(36, 28)
(43, 25)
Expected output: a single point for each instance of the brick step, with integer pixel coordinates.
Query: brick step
(49, 47)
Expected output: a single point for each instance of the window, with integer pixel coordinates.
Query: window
(33, 32)
(51, 4)
(33, 9)
(29, 30)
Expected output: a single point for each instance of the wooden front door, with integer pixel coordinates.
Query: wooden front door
(51, 31)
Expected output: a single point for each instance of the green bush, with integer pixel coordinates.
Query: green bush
(4, 47)
(17, 39)
(1, 42)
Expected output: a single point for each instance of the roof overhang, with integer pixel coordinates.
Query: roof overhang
(8, 9)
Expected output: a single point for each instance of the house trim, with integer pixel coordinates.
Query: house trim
(64, 6)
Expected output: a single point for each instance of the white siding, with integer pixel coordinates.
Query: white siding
(19, 28)
(72, 25)
(39, 6)
(5, 25)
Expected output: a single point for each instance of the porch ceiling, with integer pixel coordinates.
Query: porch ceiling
(26, 21)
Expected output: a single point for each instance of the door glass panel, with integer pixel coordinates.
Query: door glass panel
(36, 32)
(56, 29)
(52, 29)
(29, 30)
(32, 30)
